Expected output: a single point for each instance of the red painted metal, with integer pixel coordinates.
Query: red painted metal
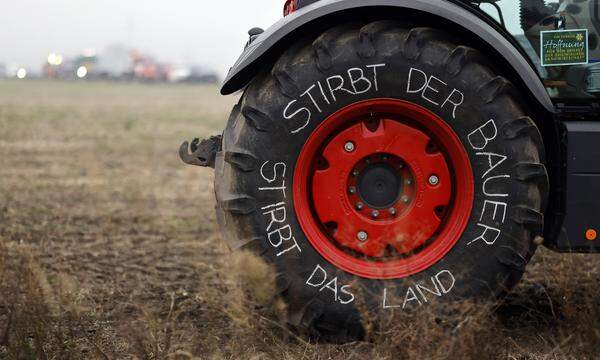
(289, 7)
(417, 221)
(428, 219)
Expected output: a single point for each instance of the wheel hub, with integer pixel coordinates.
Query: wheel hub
(380, 184)
(377, 187)
(384, 186)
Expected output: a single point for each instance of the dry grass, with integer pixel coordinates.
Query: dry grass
(108, 249)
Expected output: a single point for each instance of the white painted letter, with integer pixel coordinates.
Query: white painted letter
(307, 92)
(460, 100)
(331, 285)
(280, 237)
(490, 126)
(290, 116)
(385, 303)
(361, 78)
(311, 277)
(412, 297)
(496, 205)
(496, 235)
(492, 164)
(420, 288)
(339, 87)
(492, 178)
(274, 218)
(428, 87)
(410, 79)
(347, 292)
(446, 288)
(375, 74)
(270, 180)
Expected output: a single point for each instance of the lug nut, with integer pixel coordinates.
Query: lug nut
(349, 146)
(375, 214)
(352, 190)
(404, 199)
(393, 211)
(434, 180)
(359, 206)
(362, 236)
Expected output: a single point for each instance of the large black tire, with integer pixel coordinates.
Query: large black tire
(260, 148)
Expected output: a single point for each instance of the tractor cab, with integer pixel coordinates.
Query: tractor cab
(560, 37)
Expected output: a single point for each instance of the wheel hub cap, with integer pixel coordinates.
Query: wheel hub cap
(380, 184)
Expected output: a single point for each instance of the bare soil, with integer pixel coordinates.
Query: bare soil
(109, 248)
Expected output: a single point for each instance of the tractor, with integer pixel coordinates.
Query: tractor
(392, 154)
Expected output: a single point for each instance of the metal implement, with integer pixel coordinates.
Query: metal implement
(203, 152)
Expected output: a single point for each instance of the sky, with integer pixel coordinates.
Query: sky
(205, 32)
(211, 33)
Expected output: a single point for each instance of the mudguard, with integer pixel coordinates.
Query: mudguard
(251, 59)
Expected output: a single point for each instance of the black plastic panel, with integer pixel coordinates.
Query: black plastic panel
(583, 188)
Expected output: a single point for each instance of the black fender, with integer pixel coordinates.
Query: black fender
(461, 16)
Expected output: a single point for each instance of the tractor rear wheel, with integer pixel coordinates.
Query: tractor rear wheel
(381, 158)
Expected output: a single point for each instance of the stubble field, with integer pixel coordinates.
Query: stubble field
(109, 248)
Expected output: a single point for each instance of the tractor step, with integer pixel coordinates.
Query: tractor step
(203, 152)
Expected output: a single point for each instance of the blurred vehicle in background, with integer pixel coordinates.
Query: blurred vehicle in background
(146, 68)
(191, 74)
(58, 67)
(118, 62)
(114, 63)
(14, 71)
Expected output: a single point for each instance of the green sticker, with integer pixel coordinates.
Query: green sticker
(564, 47)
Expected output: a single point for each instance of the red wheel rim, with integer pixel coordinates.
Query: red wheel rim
(393, 171)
